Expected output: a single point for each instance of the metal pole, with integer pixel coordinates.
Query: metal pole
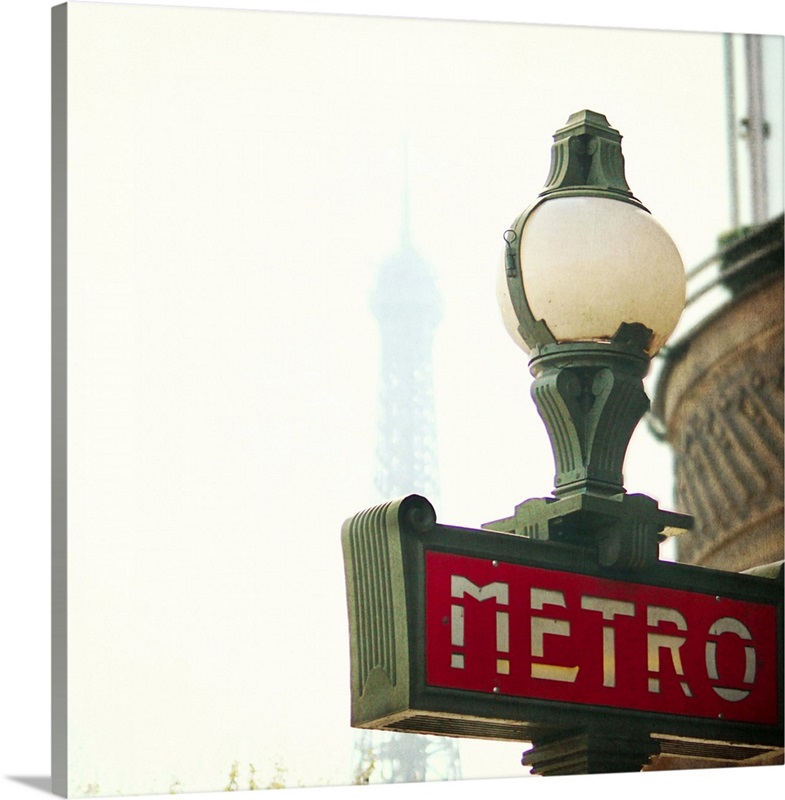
(730, 104)
(757, 128)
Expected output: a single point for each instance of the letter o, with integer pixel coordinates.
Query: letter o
(730, 625)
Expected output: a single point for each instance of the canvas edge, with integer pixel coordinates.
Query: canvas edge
(59, 298)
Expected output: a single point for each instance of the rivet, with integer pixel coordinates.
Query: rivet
(718, 598)
(495, 563)
(496, 691)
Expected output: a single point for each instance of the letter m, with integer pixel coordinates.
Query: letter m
(459, 587)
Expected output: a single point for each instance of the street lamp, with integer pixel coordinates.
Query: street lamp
(570, 633)
(591, 287)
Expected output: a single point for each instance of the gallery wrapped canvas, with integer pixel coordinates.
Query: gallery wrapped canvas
(276, 239)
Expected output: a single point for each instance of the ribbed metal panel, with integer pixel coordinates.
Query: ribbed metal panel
(474, 729)
(373, 599)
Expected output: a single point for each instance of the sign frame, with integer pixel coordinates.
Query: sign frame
(384, 554)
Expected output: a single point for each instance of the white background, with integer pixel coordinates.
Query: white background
(25, 392)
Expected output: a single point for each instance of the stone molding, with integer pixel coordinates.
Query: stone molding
(723, 412)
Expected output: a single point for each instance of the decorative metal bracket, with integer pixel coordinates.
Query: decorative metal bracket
(624, 530)
(586, 155)
(590, 396)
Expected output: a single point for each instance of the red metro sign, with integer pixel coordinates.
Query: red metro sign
(522, 631)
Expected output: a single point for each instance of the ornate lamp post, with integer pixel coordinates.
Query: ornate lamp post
(591, 287)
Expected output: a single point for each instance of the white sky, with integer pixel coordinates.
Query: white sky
(235, 178)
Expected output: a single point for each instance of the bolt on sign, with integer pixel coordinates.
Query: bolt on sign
(491, 635)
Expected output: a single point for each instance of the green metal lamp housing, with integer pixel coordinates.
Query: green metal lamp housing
(586, 257)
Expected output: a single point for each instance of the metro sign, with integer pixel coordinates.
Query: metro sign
(524, 631)
(479, 633)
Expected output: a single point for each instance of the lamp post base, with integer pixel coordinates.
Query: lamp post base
(590, 751)
(624, 529)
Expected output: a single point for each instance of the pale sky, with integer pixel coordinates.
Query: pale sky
(235, 178)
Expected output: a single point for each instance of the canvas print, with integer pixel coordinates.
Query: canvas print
(318, 518)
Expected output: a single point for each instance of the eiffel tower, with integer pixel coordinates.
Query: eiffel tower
(407, 305)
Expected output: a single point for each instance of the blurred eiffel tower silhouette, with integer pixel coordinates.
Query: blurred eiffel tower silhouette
(407, 305)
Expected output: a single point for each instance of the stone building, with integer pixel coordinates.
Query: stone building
(719, 403)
